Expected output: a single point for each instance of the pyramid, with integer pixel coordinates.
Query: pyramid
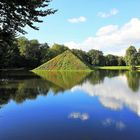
(66, 61)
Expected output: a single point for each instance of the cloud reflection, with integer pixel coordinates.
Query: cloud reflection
(78, 115)
(113, 93)
(119, 125)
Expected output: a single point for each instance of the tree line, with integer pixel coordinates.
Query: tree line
(24, 53)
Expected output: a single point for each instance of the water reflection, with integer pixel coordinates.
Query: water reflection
(114, 89)
(117, 124)
(99, 105)
(133, 80)
(63, 80)
(21, 86)
(115, 92)
(79, 115)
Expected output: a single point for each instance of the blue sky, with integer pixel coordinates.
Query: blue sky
(82, 23)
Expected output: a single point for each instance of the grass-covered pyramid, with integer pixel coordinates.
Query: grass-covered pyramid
(66, 61)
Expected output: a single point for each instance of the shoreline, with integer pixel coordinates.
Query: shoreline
(92, 69)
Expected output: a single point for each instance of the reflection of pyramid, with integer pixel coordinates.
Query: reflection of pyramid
(65, 61)
(64, 80)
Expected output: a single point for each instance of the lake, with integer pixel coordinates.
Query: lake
(102, 105)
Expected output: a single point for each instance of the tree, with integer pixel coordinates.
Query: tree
(23, 43)
(96, 57)
(9, 56)
(131, 56)
(16, 14)
(44, 49)
(49, 55)
(111, 60)
(52, 52)
(138, 57)
(32, 52)
(58, 49)
(35, 53)
(81, 54)
(121, 61)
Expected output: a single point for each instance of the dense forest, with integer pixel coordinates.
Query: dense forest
(29, 54)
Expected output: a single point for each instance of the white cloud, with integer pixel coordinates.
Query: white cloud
(107, 30)
(78, 115)
(77, 20)
(112, 38)
(111, 13)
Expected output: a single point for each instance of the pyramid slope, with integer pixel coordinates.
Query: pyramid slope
(63, 62)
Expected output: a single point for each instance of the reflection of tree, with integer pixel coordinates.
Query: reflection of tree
(19, 92)
(5, 95)
(133, 77)
(133, 80)
(97, 77)
(113, 73)
(20, 87)
(30, 90)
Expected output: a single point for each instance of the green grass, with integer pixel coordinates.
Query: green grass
(116, 68)
(66, 61)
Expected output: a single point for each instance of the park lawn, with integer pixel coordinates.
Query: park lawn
(116, 68)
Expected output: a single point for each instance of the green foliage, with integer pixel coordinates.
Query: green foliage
(6, 38)
(16, 14)
(64, 61)
(81, 54)
(9, 56)
(24, 53)
(52, 52)
(96, 58)
(131, 56)
(32, 52)
(23, 43)
(110, 60)
(121, 61)
(58, 49)
(138, 57)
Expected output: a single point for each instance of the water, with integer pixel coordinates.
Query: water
(103, 105)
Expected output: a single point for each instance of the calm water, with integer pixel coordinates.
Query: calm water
(103, 105)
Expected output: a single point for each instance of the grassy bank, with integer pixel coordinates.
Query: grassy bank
(116, 68)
